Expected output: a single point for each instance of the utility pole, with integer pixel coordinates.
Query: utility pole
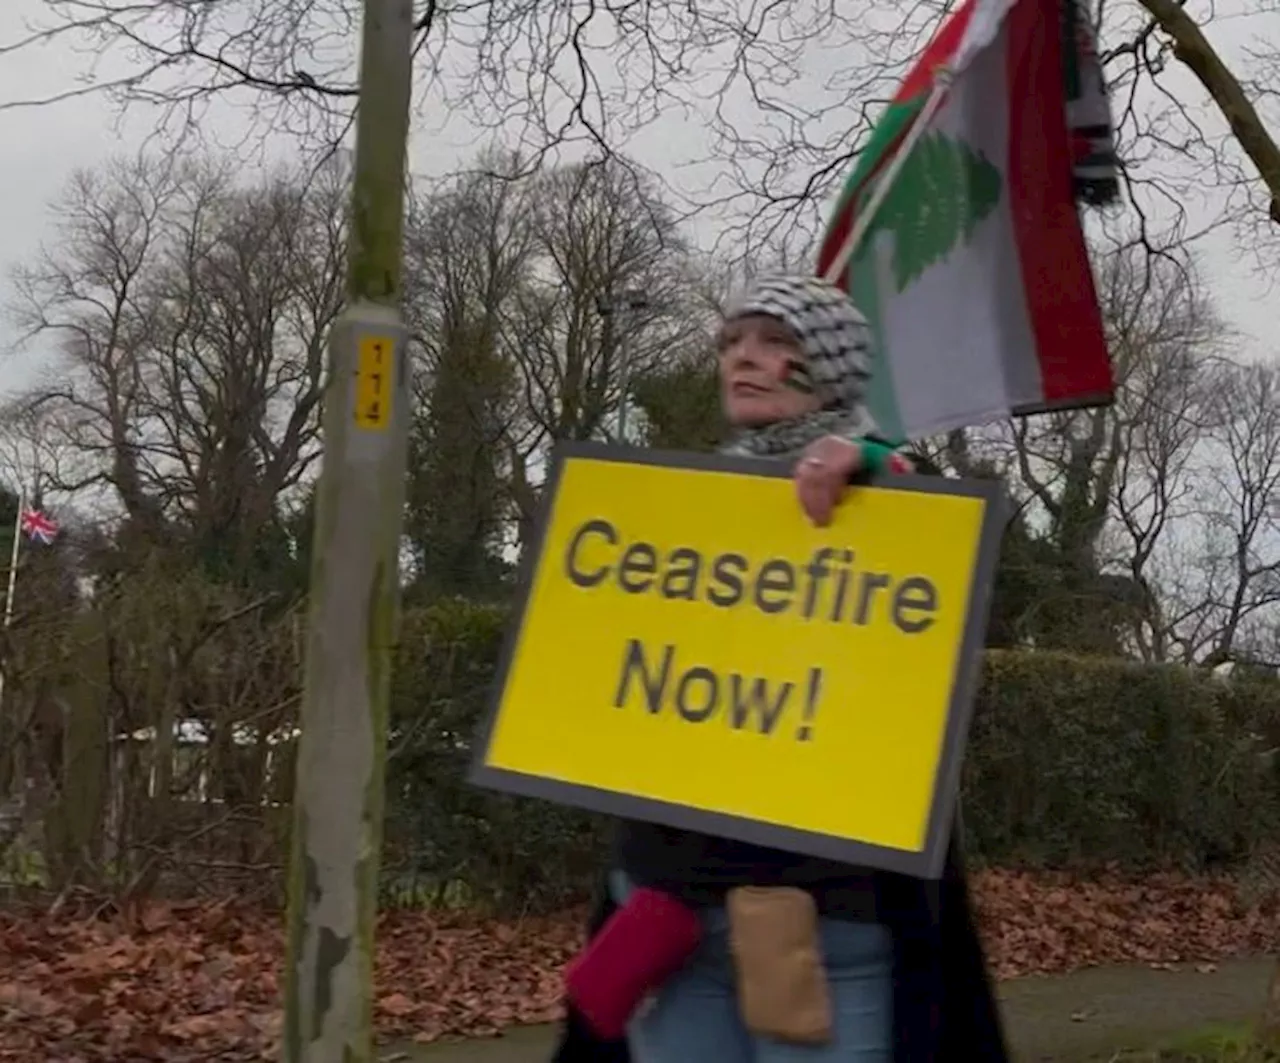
(355, 587)
(633, 301)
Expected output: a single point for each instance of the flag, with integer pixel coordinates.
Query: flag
(39, 527)
(973, 274)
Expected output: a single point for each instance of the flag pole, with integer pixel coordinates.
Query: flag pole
(13, 575)
(942, 78)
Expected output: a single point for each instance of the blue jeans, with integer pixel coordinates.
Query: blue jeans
(694, 1017)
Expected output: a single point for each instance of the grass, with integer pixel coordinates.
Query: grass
(1212, 1044)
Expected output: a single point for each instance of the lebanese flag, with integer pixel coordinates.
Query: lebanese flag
(974, 275)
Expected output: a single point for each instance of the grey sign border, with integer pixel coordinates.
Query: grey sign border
(925, 863)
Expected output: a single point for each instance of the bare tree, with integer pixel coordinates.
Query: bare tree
(596, 242)
(1227, 595)
(33, 450)
(190, 315)
(786, 92)
(1071, 461)
(1175, 145)
(513, 278)
(599, 237)
(1164, 333)
(89, 297)
(470, 247)
(1192, 48)
(1101, 488)
(549, 75)
(244, 300)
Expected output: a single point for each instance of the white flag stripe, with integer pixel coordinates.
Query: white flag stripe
(947, 362)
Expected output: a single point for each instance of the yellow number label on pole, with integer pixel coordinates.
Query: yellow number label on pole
(375, 379)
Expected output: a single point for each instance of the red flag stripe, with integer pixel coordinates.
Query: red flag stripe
(1061, 298)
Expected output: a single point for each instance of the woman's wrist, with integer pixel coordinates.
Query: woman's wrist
(876, 456)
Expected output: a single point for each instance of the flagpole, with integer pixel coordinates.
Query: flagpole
(862, 225)
(13, 576)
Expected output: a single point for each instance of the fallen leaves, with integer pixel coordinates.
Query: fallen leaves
(1043, 924)
(178, 982)
(164, 986)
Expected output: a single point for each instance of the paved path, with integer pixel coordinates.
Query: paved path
(1060, 1019)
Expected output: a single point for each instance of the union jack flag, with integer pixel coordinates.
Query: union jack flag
(39, 527)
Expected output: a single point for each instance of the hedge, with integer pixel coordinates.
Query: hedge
(446, 841)
(1073, 762)
(1080, 762)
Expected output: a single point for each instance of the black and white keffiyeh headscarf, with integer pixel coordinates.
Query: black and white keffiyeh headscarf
(835, 343)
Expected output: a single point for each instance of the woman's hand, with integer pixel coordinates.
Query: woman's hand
(822, 476)
(823, 472)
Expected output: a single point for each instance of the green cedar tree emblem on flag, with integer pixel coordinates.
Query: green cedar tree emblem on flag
(943, 191)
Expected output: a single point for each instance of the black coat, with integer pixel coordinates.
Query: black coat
(944, 1007)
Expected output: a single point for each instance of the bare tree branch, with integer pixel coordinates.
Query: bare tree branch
(1193, 49)
(191, 315)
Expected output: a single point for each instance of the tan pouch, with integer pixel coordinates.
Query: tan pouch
(782, 979)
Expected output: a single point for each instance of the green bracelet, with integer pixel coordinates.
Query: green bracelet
(875, 456)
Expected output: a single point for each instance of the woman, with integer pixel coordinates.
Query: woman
(903, 971)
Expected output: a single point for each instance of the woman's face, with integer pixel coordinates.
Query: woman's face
(757, 355)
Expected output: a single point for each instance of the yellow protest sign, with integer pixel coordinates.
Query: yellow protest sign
(692, 651)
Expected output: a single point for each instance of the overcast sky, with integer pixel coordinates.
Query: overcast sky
(40, 148)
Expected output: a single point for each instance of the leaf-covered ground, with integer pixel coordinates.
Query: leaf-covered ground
(176, 983)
